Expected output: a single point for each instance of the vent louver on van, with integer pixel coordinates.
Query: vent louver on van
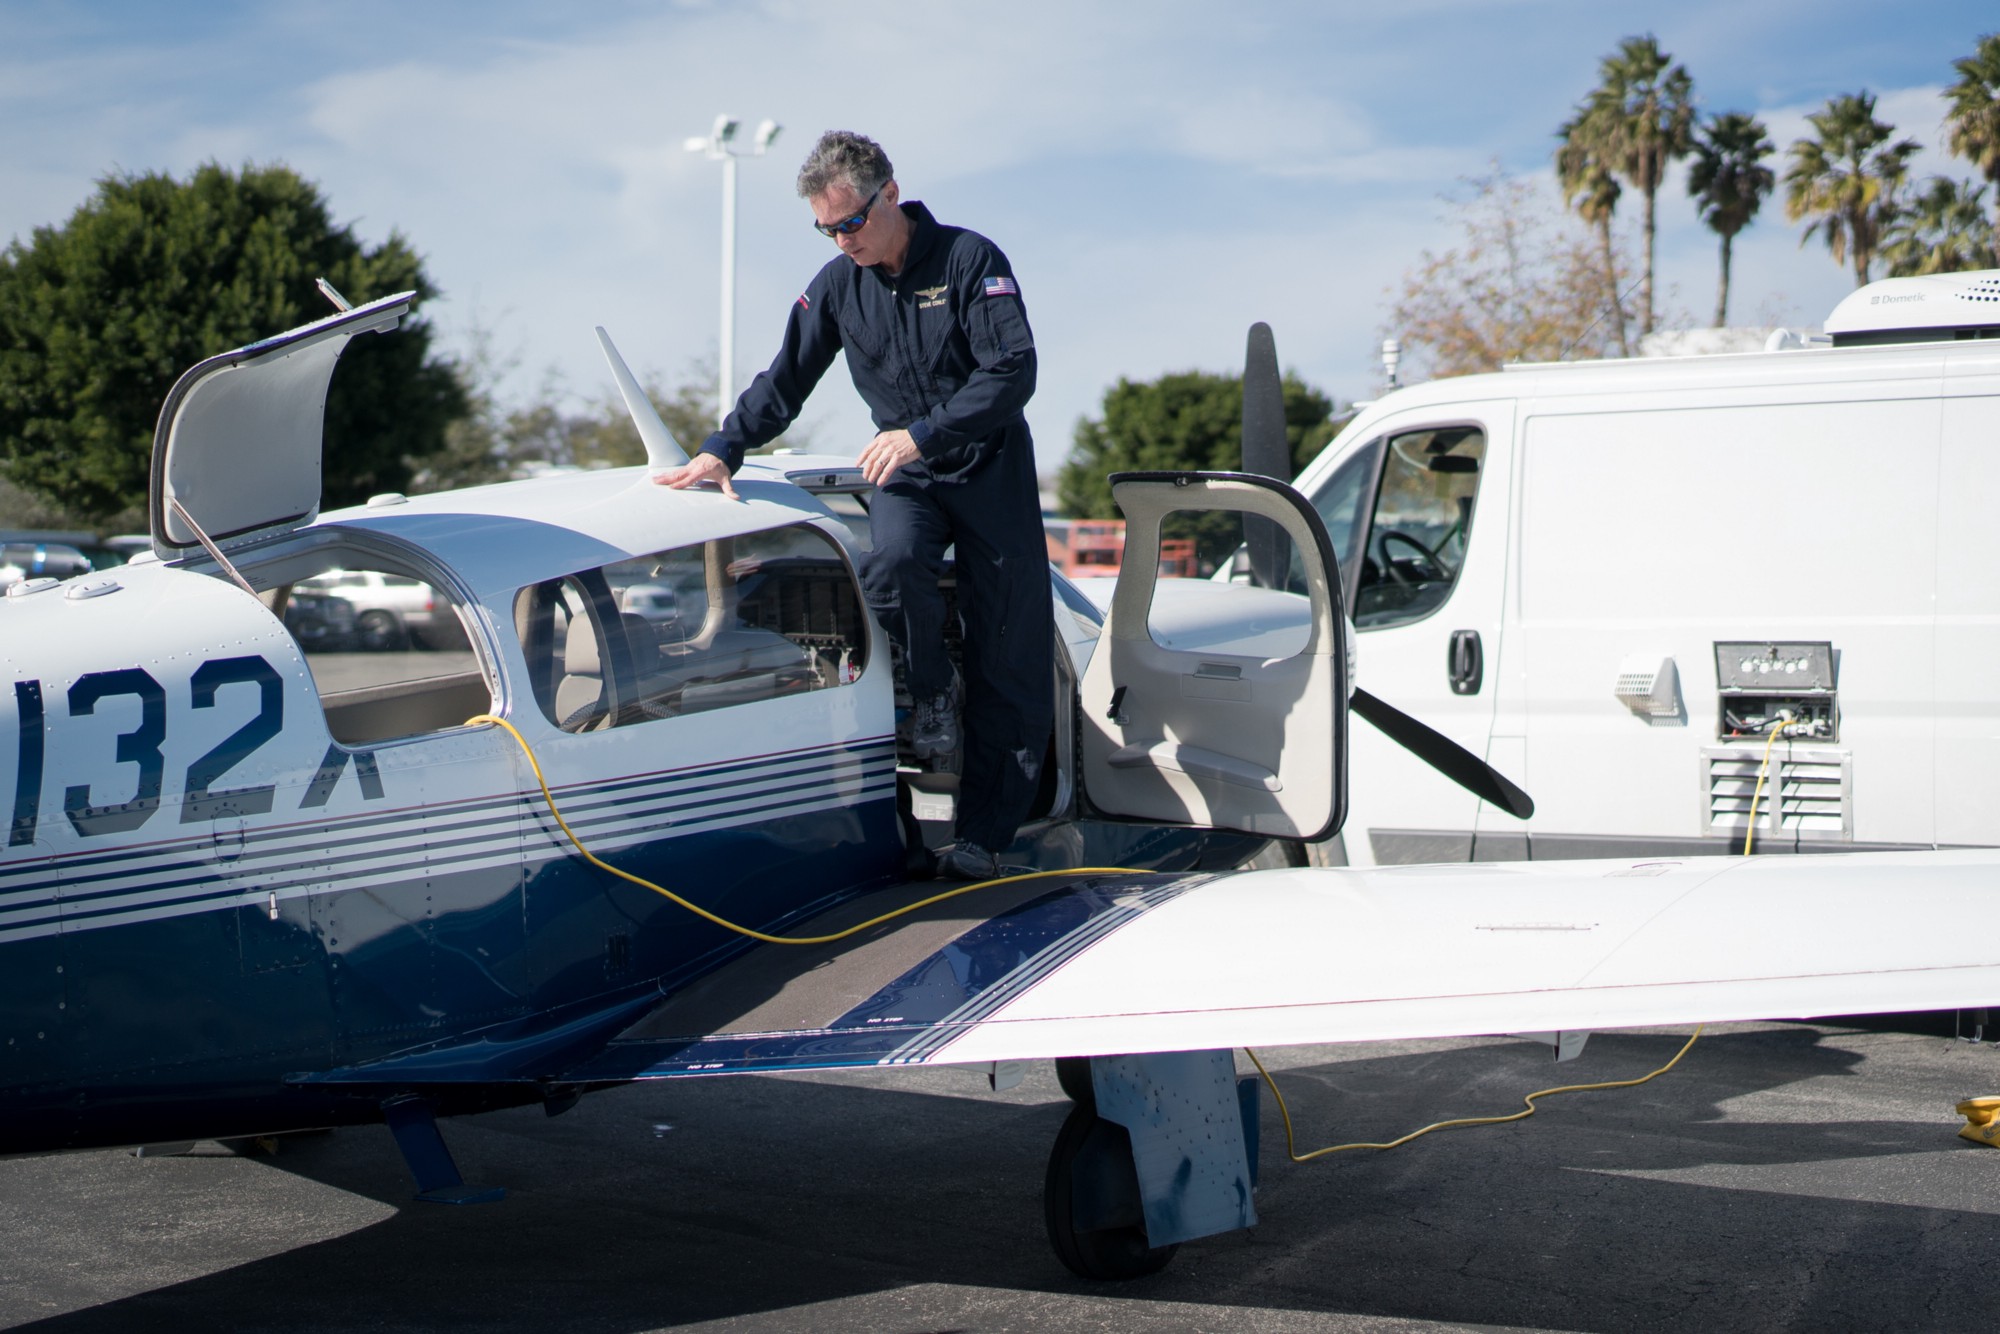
(1808, 795)
(1986, 289)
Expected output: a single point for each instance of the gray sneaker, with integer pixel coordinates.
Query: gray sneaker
(967, 861)
(934, 725)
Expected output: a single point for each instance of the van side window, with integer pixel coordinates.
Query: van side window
(721, 623)
(1422, 517)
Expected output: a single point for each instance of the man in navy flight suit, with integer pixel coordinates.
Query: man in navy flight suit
(937, 342)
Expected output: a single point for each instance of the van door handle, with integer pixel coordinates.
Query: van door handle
(1468, 662)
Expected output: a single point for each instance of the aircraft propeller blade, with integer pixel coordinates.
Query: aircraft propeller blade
(1446, 756)
(1266, 451)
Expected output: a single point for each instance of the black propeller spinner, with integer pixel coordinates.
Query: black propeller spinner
(1268, 453)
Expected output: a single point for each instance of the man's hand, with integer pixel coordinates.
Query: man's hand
(886, 453)
(700, 468)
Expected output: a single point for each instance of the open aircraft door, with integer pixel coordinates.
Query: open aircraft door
(238, 445)
(1195, 735)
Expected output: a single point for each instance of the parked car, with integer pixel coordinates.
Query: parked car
(321, 622)
(118, 550)
(655, 602)
(392, 611)
(40, 560)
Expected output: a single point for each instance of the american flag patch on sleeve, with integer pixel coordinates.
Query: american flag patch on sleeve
(805, 301)
(1001, 286)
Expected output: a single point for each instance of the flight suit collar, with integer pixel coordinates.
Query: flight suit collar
(923, 238)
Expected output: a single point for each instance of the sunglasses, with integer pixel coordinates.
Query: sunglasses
(847, 226)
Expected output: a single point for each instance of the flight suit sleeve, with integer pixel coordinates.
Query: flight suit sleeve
(776, 397)
(988, 305)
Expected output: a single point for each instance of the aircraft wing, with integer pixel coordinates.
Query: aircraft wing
(1126, 964)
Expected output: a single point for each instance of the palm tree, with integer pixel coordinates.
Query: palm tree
(1729, 181)
(1942, 230)
(1590, 188)
(1846, 179)
(1644, 105)
(1974, 119)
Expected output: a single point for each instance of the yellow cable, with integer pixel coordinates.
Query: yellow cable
(1750, 829)
(1292, 1146)
(752, 932)
(1291, 1143)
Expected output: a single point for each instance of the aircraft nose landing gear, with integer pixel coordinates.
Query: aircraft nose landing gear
(1157, 1155)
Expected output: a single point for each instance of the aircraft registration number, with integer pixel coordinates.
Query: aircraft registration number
(143, 748)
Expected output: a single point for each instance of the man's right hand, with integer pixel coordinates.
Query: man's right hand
(700, 468)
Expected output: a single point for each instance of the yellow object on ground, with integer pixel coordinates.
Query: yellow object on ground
(1979, 1126)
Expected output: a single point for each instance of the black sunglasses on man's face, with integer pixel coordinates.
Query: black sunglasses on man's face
(847, 226)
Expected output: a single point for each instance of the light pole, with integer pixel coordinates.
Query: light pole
(716, 144)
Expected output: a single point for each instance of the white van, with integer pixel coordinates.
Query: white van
(1613, 579)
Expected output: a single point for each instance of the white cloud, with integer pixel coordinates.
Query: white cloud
(1161, 175)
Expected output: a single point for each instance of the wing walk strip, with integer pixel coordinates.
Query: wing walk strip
(985, 1004)
(176, 877)
(910, 1019)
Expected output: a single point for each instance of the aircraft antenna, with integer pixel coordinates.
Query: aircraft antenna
(662, 450)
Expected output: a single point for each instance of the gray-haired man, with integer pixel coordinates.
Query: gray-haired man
(938, 344)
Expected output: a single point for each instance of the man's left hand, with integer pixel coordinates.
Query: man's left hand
(885, 453)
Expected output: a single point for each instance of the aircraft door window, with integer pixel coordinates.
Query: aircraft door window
(1421, 521)
(1266, 624)
(421, 675)
(731, 621)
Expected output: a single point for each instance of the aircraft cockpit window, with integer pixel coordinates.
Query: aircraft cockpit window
(389, 653)
(721, 623)
(1421, 521)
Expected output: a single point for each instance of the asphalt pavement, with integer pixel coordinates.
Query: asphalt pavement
(1784, 1176)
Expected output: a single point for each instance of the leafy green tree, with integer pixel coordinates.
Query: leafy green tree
(1942, 230)
(99, 316)
(1844, 181)
(1729, 181)
(1186, 420)
(1641, 118)
(1973, 121)
(1590, 189)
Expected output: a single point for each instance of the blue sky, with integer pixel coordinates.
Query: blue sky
(1161, 174)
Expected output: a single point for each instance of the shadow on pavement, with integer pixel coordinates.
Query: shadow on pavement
(810, 1203)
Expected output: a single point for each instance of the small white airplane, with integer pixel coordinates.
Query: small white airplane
(249, 887)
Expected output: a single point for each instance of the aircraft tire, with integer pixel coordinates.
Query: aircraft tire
(1073, 1073)
(1113, 1254)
